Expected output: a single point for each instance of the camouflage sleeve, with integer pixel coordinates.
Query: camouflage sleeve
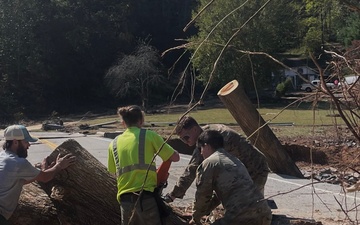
(204, 191)
(214, 202)
(253, 159)
(187, 178)
(250, 156)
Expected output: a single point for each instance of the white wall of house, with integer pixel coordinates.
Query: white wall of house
(306, 71)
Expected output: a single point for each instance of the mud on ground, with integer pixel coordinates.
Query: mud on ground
(335, 152)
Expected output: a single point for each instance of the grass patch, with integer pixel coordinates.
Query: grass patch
(216, 115)
(306, 121)
(301, 117)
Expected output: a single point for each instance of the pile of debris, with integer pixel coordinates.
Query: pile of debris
(53, 124)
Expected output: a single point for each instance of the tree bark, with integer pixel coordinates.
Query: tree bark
(35, 207)
(249, 119)
(83, 194)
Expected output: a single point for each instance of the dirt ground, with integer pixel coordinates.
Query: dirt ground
(335, 149)
(331, 156)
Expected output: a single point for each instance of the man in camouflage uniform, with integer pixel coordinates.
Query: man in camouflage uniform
(189, 130)
(222, 178)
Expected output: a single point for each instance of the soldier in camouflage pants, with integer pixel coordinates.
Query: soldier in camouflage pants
(222, 178)
(189, 130)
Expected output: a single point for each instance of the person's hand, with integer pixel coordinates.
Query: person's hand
(65, 161)
(168, 198)
(45, 165)
(192, 221)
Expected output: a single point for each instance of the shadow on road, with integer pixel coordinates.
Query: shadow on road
(284, 220)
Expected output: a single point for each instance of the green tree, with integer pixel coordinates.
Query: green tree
(135, 75)
(56, 52)
(283, 87)
(80, 40)
(19, 55)
(327, 21)
(272, 30)
(348, 26)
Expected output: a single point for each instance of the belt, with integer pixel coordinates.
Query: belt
(133, 196)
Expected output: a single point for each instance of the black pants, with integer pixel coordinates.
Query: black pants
(3, 221)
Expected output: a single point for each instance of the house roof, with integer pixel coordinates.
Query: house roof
(298, 62)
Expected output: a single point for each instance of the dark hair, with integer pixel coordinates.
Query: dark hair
(7, 144)
(131, 114)
(212, 138)
(185, 122)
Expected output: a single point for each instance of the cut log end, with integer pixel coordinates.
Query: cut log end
(228, 88)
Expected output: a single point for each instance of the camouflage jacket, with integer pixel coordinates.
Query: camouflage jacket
(225, 175)
(237, 145)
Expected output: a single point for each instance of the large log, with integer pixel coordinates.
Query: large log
(35, 207)
(83, 194)
(249, 119)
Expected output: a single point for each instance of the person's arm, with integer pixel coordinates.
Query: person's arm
(204, 191)
(164, 150)
(175, 157)
(187, 178)
(214, 202)
(111, 161)
(163, 170)
(47, 174)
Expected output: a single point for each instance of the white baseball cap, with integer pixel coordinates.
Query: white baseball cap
(18, 132)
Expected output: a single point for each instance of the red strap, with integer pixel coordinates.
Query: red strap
(163, 172)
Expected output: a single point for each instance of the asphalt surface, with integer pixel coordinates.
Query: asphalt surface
(294, 197)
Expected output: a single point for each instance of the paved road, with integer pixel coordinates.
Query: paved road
(294, 197)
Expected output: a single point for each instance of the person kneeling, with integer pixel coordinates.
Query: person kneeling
(223, 178)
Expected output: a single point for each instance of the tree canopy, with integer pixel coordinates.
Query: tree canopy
(233, 33)
(271, 30)
(55, 54)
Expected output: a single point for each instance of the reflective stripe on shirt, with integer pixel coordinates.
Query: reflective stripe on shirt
(141, 165)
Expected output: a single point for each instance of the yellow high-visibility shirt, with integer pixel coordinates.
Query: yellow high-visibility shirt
(132, 169)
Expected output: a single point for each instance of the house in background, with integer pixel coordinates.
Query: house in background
(303, 66)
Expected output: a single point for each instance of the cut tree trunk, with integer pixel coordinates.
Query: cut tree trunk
(83, 194)
(35, 207)
(253, 125)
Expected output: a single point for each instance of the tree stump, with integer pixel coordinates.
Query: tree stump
(249, 119)
(83, 194)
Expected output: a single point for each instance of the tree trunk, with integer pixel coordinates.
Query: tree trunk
(246, 115)
(35, 207)
(83, 194)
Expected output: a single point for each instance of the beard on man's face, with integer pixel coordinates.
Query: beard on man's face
(22, 151)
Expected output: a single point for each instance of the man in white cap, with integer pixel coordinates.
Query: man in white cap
(16, 170)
